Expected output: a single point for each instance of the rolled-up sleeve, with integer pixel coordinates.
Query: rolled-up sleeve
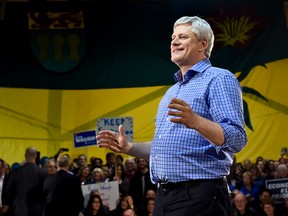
(226, 109)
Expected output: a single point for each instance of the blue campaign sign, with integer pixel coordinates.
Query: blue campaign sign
(112, 123)
(85, 138)
(279, 189)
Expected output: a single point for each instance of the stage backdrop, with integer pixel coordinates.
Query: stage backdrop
(63, 66)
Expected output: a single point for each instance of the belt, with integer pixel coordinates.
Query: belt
(165, 186)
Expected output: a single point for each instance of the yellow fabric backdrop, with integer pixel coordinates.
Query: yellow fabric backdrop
(47, 119)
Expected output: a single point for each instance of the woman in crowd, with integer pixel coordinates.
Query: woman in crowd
(84, 175)
(122, 180)
(94, 207)
(125, 203)
(150, 203)
(250, 191)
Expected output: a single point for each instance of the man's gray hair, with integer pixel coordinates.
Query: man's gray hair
(63, 161)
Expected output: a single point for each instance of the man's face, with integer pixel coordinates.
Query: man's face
(128, 212)
(141, 163)
(265, 196)
(82, 161)
(185, 46)
(110, 160)
(130, 164)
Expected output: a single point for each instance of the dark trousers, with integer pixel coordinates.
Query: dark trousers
(199, 198)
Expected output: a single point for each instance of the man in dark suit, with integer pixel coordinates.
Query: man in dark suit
(24, 188)
(62, 191)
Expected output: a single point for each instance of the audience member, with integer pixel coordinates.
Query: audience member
(119, 159)
(125, 203)
(241, 207)
(258, 180)
(15, 166)
(97, 176)
(150, 203)
(247, 165)
(123, 182)
(130, 168)
(270, 169)
(90, 165)
(24, 188)
(269, 208)
(110, 163)
(135, 186)
(84, 175)
(235, 178)
(282, 171)
(150, 194)
(81, 161)
(63, 193)
(106, 174)
(250, 191)
(129, 212)
(95, 207)
(140, 183)
(284, 210)
(2, 175)
(50, 166)
(4, 206)
(264, 196)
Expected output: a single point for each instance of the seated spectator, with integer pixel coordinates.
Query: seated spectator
(235, 179)
(95, 207)
(269, 208)
(150, 203)
(258, 180)
(270, 169)
(129, 212)
(250, 191)
(284, 212)
(264, 197)
(240, 206)
(282, 171)
(125, 203)
(247, 165)
(150, 194)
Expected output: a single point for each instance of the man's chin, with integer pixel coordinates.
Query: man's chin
(175, 59)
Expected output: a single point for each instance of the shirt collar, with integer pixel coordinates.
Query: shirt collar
(200, 67)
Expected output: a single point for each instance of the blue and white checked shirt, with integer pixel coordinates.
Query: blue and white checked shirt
(182, 154)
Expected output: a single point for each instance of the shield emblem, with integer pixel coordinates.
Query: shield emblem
(58, 41)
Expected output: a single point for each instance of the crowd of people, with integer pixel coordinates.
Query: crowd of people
(248, 184)
(53, 187)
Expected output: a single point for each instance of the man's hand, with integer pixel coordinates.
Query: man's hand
(183, 113)
(116, 142)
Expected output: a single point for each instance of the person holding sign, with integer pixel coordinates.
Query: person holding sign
(199, 128)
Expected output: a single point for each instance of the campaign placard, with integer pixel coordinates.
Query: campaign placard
(85, 138)
(112, 123)
(279, 189)
(108, 191)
